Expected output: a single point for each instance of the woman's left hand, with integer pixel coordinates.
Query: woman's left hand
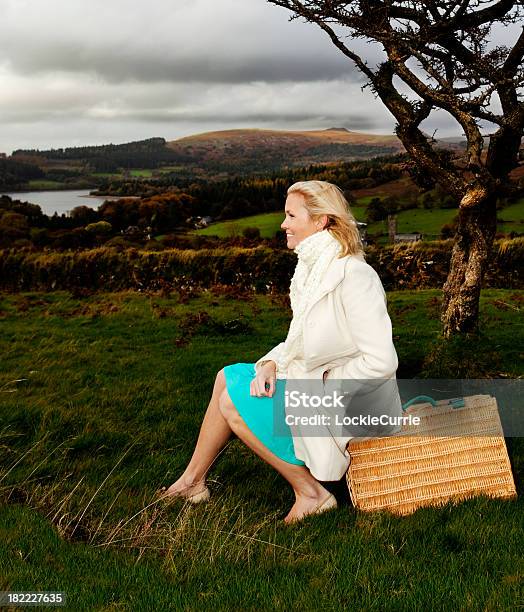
(263, 385)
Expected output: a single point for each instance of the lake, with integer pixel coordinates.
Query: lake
(61, 201)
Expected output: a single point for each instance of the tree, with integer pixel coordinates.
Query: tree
(251, 233)
(83, 215)
(99, 228)
(375, 210)
(428, 201)
(441, 51)
(13, 226)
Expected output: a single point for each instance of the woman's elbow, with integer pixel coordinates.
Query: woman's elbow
(391, 364)
(385, 364)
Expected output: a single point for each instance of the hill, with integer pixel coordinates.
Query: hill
(208, 156)
(257, 149)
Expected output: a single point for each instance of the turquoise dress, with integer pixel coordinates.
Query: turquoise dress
(263, 415)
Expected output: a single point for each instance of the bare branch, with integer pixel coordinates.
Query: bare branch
(487, 15)
(449, 41)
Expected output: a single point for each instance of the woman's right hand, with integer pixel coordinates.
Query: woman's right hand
(263, 385)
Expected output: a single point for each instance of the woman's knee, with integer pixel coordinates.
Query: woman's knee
(220, 381)
(226, 406)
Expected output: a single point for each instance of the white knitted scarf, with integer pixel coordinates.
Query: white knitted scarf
(315, 253)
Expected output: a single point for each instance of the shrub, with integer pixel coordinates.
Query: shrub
(39, 236)
(447, 231)
(121, 243)
(260, 269)
(100, 227)
(251, 233)
(153, 245)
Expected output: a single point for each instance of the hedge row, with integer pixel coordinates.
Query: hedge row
(261, 269)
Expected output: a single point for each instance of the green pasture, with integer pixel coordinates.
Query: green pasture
(101, 400)
(139, 172)
(511, 218)
(148, 172)
(43, 184)
(113, 175)
(267, 223)
(418, 220)
(365, 200)
(172, 168)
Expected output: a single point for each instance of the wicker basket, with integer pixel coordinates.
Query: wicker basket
(459, 453)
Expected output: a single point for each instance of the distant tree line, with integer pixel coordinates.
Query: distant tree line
(341, 149)
(14, 174)
(24, 224)
(241, 196)
(149, 153)
(146, 208)
(193, 160)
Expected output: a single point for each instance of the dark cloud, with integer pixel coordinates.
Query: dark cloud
(115, 68)
(80, 72)
(247, 118)
(211, 41)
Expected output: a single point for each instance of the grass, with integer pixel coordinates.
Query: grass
(268, 224)
(101, 399)
(511, 218)
(139, 172)
(107, 174)
(142, 172)
(43, 184)
(418, 220)
(365, 200)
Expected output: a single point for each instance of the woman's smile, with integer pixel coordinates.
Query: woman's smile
(298, 224)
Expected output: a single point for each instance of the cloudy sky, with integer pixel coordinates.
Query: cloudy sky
(81, 72)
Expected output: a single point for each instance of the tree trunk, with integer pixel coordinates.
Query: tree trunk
(469, 259)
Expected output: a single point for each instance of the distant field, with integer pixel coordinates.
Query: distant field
(145, 172)
(148, 172)
(418, 220)
(512, 218)
(139, 172)
(267, 223)
(365, 200)
(41, 184)
(108, 174)
(171, 168)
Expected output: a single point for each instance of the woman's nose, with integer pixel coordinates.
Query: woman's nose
(283, 225)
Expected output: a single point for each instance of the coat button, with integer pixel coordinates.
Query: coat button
(311, 324)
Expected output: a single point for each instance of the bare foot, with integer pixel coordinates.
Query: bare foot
(305, 506)
(185, 488)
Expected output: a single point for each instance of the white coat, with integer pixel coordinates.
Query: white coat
(347, 332)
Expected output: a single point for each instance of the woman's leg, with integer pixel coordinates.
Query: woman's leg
(309, 493)
(214, 433)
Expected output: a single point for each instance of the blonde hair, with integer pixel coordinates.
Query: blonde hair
(323, 198)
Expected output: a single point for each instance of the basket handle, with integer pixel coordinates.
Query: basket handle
(456, 402)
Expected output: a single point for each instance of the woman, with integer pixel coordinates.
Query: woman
(340, 330)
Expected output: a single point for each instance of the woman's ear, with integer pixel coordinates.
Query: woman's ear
(322, 222)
